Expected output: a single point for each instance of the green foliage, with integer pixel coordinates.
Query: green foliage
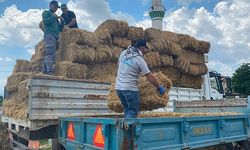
(241, 80)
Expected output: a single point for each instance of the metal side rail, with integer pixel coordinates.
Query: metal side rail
(226, 105)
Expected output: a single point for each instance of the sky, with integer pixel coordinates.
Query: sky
(223, 23)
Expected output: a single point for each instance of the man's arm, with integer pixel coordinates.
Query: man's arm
(73, 21)
(151, 78)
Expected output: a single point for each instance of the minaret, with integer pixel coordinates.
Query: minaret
(157, 12)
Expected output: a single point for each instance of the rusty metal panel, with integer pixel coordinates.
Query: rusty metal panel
(50, 98)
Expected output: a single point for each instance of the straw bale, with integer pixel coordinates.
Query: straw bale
(190, 43)
(171, 36)
(193, 57)
(114, 27)
(166, 47)
(41, 26)
(121, 42)
(191, 81)
(105, 72)
(152, 34)
(113, 101)
(12, 95)
(22, 66)
(103, 36)
(172, 73)
(23, 93)
(71, 70)
(149, 97)
(65, 28)
(39, 49)
(80, 54)
(166, 60)
(36, 64)
(15, 79)
(197, 69)
(103, 53)
(77, 36)
(15, 108)
(135, 33)
(115, 51)
(182, 64)
(153, 59)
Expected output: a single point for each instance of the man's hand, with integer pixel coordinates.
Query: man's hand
(161, 90)
(58, 17)
(55, 15)
(61, 18)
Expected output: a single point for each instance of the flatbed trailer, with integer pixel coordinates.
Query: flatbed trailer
(112, 132)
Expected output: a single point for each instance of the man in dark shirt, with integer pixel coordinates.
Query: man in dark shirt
(69, 17)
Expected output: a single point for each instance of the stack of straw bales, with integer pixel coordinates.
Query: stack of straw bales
(93, 55)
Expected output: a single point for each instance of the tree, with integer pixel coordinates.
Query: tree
(241, 80)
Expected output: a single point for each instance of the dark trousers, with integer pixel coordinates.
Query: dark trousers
(49, 56)
(130, 101)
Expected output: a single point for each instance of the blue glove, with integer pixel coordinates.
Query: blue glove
(161, 90)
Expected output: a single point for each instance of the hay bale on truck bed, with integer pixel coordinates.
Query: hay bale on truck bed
(190, 81)
(15, 79)
(121, 42)
(170, 72)
(115, 51)
(82, 54)
(149, 97)
(103, 53)
(135, 33)
(189, 43)
(197, 69)
(36, 64)
(23, 93)
(193, 57)
(114, 28)
(22, 66)
(105, 72)
(165, 46)
(71, 70)
(15, 108)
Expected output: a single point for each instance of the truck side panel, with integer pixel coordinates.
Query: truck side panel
(51, 98)
(156, 133)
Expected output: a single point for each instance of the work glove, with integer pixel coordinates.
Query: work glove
(161, 90)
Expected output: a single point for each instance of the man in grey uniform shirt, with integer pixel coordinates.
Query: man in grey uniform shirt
(131, 65)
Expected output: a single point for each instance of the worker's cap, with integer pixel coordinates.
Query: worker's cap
(55, 3)
(141, 42)
(63, 6)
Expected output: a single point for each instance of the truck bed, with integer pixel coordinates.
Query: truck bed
(173, 133)
(53, 97)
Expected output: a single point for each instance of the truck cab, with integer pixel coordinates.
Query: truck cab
(219, 86)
